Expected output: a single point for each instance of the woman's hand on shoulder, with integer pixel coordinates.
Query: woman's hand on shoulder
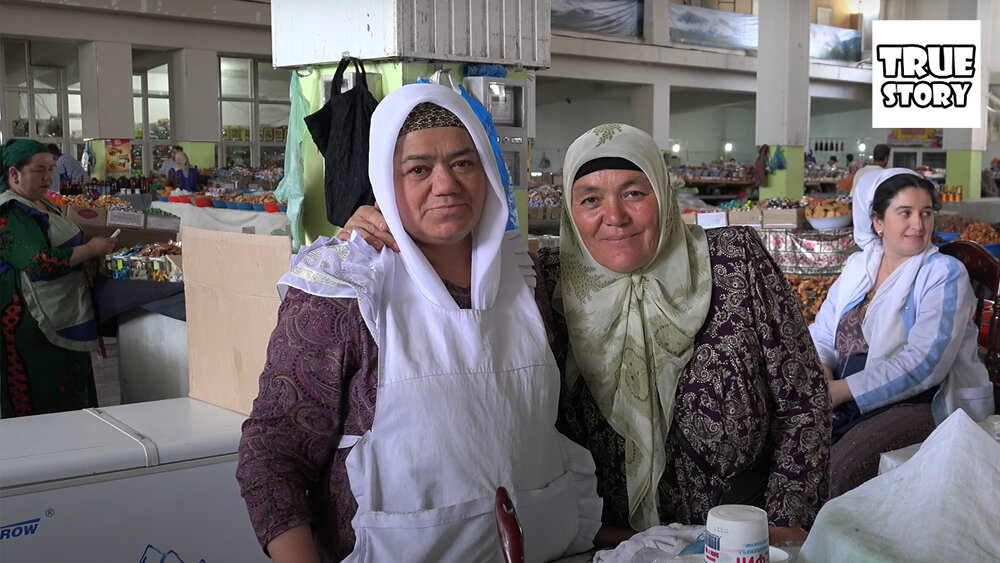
(371, 225)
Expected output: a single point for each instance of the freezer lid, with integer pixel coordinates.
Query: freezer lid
(47, 447)
(182, 429)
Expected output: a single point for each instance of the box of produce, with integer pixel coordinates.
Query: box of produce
(166, 268)
(87, 215)
(125, 266)
(157, 262)
(750, 217)
(783, 213)
(784, 218)
(126, 218)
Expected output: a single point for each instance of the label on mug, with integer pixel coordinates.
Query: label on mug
(715, 552)
(736, 534)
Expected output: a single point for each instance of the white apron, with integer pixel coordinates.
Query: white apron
(462, 409)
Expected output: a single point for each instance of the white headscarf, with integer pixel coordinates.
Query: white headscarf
(861, 203)
(488, 235)
(631, 335)
(882, 326)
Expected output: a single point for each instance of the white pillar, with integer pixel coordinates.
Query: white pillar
(984, 11)
(194, 95)
(651, 111)
(783, 73)
(656, 22)
(106, 90)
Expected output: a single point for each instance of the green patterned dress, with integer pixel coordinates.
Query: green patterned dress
(47, 322)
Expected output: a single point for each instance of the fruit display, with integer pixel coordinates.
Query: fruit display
(738, 205)
(544, 203)
(811, 292)
(952, 224)
(158, 211)
(784, 203)
(981, 233)
(169, 248)
(828, 208)
(145, 262)
(256, 197)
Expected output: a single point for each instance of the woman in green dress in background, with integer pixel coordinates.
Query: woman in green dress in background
(47, 324)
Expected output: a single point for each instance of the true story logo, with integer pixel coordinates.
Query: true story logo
(926, 74)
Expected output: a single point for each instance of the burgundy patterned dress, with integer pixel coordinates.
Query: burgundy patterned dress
(319, 382)
(753, 385)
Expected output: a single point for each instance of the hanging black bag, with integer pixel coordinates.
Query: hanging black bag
(340, 130)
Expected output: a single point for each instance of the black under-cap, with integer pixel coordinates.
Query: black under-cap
(605, 163)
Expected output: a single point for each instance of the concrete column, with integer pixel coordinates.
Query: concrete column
(651, 111)
(106, 89)
(783, 90)
(656, 22)
(965, 157)
(194, 95)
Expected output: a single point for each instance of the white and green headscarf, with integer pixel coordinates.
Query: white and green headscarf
(632, 334)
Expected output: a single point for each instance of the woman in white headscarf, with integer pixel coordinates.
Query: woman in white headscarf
(402, 390)
(896, 327)
(690, 374)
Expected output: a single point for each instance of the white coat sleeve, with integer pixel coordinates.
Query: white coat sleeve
(824, 329)
(944, 303)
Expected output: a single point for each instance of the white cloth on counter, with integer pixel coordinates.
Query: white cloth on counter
(940, 506)
(891, 460)
(668, 539)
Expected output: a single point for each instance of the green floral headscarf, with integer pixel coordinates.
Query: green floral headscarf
(14, 151)
(632, 334)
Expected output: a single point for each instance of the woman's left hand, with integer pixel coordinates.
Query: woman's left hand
(840, 393)
(828, 372)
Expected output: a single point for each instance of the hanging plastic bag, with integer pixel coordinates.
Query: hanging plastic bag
(291, 188)
(778, 160)
(340, 130)
(491, 132)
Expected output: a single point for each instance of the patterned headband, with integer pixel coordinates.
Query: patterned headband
(426, 115)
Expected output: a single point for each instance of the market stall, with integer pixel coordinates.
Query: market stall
(229, 220)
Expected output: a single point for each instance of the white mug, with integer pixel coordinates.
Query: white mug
(736, 533)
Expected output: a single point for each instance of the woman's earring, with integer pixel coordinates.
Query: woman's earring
(879, 233)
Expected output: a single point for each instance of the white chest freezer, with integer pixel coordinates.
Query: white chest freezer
(151, 482)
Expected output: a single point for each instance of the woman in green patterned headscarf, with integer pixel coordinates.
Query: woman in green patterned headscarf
(632, 330)
(690, 375)
(47, 322)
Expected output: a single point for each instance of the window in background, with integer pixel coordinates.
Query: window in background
(74, 109)
(254, 108)
(37, 103)
(151, 113)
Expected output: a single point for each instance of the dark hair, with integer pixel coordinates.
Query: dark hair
(850, 157)
(176, 148)
(889, 188)
(54, 149)
(833, 157)
(881, 152)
